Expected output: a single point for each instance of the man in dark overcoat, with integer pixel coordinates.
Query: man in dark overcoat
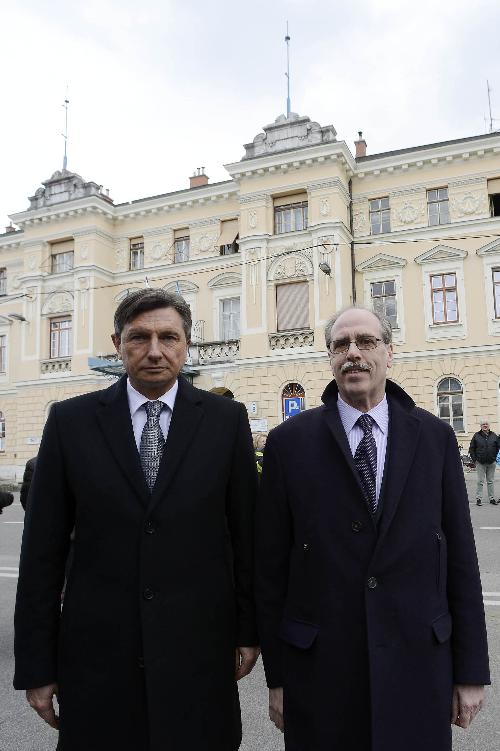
(369, 600)
(158, 480)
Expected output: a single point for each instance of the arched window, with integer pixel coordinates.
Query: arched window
(2, 432)
(450, 403)
(292, 400)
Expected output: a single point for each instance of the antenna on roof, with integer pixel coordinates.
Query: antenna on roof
(491, 118)
(65, 134)
(287, 40)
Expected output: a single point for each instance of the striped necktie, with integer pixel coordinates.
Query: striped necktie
(152, 442)
(365, 461)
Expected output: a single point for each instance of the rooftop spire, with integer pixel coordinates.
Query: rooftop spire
(287, 41)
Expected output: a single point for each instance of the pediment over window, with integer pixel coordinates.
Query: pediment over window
(4, 320)
(441, 253)
(59, 302)
(181, 287)
(382, 261)
(295, 265)
(491, 249)
(225, 280)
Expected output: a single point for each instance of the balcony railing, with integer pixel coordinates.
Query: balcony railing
(55, 365)
(214, 352)
(291, 339)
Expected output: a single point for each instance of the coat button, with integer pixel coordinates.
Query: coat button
(305, 547)
(149, 528)
(356, 526)
(148, 594)
(372, 582)
(140, 662)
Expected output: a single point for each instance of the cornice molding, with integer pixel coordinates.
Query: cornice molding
(293, 159)
(380, 262)
(492, 248)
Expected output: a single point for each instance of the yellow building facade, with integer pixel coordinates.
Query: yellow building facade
(302, 228)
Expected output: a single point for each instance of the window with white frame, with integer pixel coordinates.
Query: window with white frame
(229, 318)
(136, 260)
(496, 290)
(292, 306)
(3, 281)
(450, 403)
(181, 249)
(384, 302)
(290, 214)
(438, 206)
(380, 216)
(62, 261)
(60, 337)
(3, 353)
(444, 298)
(2, 432)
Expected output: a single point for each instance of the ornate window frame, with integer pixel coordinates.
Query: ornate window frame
(381, 268)
(443, 259)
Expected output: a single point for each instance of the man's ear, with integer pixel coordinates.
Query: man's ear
(390, 353)
(117, 342)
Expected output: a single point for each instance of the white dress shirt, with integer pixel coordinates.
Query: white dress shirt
(138, 415)
(354, 433)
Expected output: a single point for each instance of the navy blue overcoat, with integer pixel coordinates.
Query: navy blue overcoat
(367, 623)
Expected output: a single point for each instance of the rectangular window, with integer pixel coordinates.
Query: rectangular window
(290, 214)
(62, 261)
(228, 240)
(136, 253)
(494, 196)
(438, 206)
(60, 337)
(3, 354)
(3, 281)
(444, 298)
(292, 306)
(384, 300)
(380, 216)
(496, 291)
(181, 248)
(230, 318)
(2, 432)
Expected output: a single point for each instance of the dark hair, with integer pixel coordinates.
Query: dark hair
(150, 299)
(385, 324)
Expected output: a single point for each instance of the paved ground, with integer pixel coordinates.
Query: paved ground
(21, 730)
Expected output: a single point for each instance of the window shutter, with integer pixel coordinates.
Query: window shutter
(292, 306)
(289, 200)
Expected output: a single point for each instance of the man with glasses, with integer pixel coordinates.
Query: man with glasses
(369, 599)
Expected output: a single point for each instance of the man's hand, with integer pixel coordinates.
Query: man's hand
(40, 699)
(245, 659)
(276, 707)
(467, 701)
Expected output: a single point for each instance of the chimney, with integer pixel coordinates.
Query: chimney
(9, 229)
(198, 178)
(360, 145)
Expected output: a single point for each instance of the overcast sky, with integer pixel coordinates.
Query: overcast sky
(159, 87)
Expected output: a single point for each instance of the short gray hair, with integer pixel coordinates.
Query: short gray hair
(143, 300)
(385, 324)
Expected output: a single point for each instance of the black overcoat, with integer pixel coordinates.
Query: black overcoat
(366, 623)
(160, 589)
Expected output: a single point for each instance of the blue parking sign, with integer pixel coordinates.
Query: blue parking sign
(292, 406)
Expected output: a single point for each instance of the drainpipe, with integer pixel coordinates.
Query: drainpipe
(353, 260)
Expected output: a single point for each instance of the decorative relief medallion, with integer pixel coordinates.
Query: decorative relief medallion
(252, 219)
(359, 223)
(324, 207)
(290, 268)
(409, 213)
(121, 257)
(158, 251)
(469, 204)
(59, 302)
(15, 282)
(206, 242)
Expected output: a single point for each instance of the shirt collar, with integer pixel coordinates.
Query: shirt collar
(349, 414)
(136, 399)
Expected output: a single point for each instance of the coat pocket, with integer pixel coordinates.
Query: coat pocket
(442, 627)
(298, 633)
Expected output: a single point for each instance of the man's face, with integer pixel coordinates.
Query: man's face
(153, 348)
(360, 373)
(485, 426)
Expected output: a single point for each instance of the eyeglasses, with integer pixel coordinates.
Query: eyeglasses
(362, 342)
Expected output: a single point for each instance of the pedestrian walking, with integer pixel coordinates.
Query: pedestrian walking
(483, 451)
(27, 478)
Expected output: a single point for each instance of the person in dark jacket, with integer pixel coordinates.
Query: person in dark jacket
(6, 499)
(483, 450)
(27, 478)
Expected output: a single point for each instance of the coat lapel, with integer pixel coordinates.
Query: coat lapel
(114, 420)
(336, 427)
(404, 430)
(186, 417)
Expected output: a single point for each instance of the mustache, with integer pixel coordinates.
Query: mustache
(347, 366)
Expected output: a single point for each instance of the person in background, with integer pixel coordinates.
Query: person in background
(6, 499)
(483, 451)
(259, 443)
(27, 478)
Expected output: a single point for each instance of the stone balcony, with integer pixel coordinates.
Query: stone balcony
(55, 366)
(210, 353)
(302, 339)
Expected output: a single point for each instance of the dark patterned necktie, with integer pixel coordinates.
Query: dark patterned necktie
(152, 442)
(365, 461)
